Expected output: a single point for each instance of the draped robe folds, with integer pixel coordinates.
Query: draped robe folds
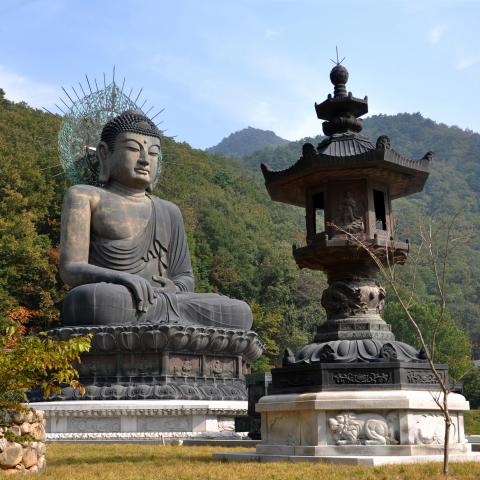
(161, 249)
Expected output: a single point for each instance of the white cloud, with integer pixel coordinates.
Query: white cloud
(271, 33)
(467, 62)
(306, 125)
(276, 93)
(19, 87)
(435, 34)
(261, 113)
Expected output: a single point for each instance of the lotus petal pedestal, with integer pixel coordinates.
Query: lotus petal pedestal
(147, 382)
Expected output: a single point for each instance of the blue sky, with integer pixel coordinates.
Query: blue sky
(221, 65)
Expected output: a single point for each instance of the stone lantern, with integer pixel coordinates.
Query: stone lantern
(346, 186)
(356, 394)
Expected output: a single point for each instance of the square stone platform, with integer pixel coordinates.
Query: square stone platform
(141, 420)
(370, 427)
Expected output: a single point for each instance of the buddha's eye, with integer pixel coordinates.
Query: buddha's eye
(132, 148)
(154, 153)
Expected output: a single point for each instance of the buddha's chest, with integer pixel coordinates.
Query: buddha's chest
(115, 220)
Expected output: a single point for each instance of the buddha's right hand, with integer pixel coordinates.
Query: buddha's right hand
(141, 290)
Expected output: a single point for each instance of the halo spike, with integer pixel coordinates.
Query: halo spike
(83, 91)
(129, 93)
(144, 102)
(66, 93)
(104, 81)
(141, 90)
(60, 109)
(146, 113)
(96, 85)
(88, 82)
(61, 99)
(123, 84)
(74, 91)
(51, 166)
(113, 74)
(57, 174)
(48, 111)
(158, 113)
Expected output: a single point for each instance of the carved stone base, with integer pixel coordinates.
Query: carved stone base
(141, 420)
(162, 362)
(348, 426)
(341, 377)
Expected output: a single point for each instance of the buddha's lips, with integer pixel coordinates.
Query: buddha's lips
(142, 170)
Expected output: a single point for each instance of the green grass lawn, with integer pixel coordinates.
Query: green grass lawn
(141, 462)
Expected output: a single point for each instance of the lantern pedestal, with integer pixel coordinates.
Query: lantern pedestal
(364, 427)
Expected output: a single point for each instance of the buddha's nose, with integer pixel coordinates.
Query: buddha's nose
(143, 158)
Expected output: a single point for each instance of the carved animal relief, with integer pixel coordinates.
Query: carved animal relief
(349, 428)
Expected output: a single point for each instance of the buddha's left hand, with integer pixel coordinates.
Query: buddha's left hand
(166, 285)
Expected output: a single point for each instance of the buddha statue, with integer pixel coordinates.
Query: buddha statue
(124, 250)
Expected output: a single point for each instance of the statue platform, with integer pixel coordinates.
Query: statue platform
(153, 383)
(363, 427)
(161, 362)
(141, 420)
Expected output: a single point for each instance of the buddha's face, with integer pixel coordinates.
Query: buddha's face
(134, 160)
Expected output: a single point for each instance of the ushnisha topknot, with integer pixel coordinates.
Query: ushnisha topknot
(128, 121)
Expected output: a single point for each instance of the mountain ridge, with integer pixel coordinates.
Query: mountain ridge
(224, 147)
(247, 141)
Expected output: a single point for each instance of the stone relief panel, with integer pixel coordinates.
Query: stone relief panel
(220, 367)
(101, 365)
(283, 429)
(98, 424)
(350, 428)
(349, 214)
(348, 210)
(188, 365)
(226, 425)
(140, 365)
(430, 429)
(422, 376)
(361, 377)
(164, 424)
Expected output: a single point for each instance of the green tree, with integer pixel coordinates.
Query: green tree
(452, 343)
(29, 361)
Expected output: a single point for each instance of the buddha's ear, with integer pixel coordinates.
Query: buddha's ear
(103, 160)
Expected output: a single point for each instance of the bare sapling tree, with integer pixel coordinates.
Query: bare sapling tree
(436, 244)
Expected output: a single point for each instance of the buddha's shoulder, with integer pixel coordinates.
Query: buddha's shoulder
(171, 207)
(84, 192)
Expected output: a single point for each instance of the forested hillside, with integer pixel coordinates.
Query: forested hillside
(240, 241)
(247, 141)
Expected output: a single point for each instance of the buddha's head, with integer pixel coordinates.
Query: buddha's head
(129, 151)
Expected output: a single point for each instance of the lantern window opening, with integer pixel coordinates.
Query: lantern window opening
(380, 211)
(318, 203)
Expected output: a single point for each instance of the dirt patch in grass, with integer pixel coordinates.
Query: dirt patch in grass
(142, 462)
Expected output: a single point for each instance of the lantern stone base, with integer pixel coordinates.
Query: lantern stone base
(358, 427)
(141, 420)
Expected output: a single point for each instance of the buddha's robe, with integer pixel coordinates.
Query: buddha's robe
(160, 250)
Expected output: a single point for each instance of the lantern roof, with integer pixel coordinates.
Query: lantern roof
(345, 154)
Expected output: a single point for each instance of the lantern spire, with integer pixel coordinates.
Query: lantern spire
(341, 111)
